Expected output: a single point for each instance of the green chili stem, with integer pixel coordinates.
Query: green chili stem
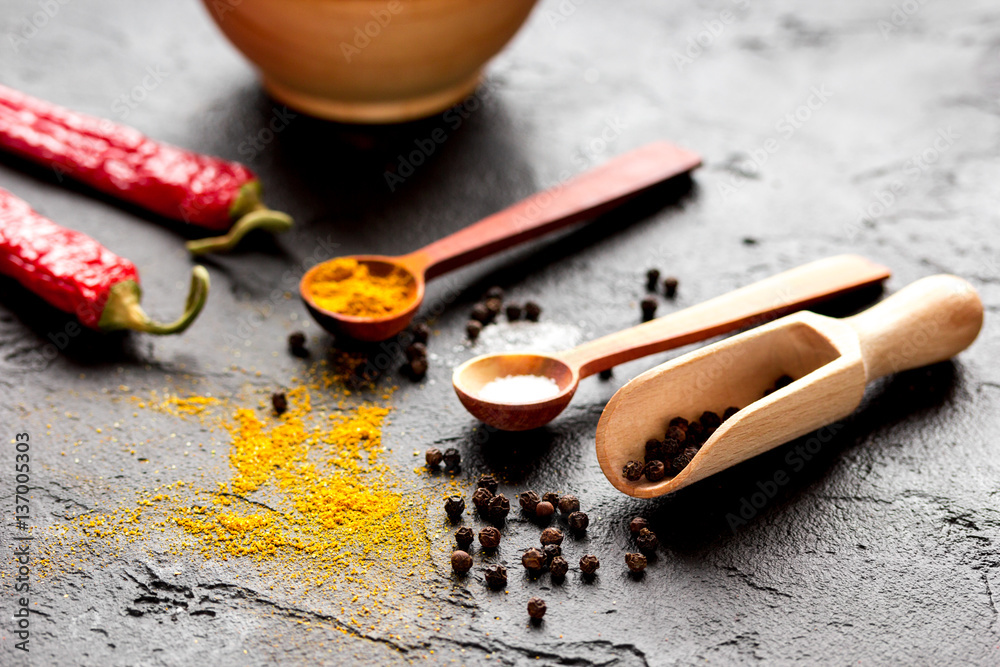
(250, 213)
(122, 310)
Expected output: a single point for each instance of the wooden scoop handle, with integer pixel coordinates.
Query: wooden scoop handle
(754, 304)
(926, 322)
(586, 196)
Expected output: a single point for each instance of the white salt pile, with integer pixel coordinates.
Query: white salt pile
(519, 389)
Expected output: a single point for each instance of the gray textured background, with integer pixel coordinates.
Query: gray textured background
(883, 549)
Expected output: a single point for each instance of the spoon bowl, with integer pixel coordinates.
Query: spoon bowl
(470, 378)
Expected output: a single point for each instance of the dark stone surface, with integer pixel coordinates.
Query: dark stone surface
(882, 548)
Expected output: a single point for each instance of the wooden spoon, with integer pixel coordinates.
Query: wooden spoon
(586, 196)
(763, 300)
(831, 360)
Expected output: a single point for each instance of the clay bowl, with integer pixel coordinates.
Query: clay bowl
(369, 61)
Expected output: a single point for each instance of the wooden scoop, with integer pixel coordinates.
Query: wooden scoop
(768, 298)
(586, 196)
(831, 361)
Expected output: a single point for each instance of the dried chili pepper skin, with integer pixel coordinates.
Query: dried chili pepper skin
(76, 274)
(120, 161)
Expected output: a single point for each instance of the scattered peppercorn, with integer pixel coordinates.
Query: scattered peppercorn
(297, 344)
(655, 470)
(606, 374)
(569, 504)
(452, 459)
(654, 450)
(671, 446)
(495, 292)
(632, 471)
(710, 420)
(749, 240)
(421, 333)
(514, 311)
(464, 537)
(480, 313)
(636, 525)
(652, 279)
(670, 287)
(472, 329)
(532, 311)
(494, 306)
(695, 434)
(496, 576)
(529, 501)
(499, 507)
(544, 509)
(488, 482)
(416, 351)
(578, 522)
(636, 562)
(454, 506)
(536, 608)
(648, 306)
(681, 460)
(489, 537)
(280, 402)
(461, 561)
(481, 500)
(647, 541)
(558, 567)
(730, 412)
(533, 560)
(417, 368)
(589, 564)
(551, 536)
(551, 497)
(551, 551)
(433, 456)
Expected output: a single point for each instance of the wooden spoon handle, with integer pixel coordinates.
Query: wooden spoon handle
(751, 305)
(583, 197)
(926, 322)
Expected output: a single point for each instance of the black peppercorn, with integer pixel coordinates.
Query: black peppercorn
(433, 456)
(494, 306)
(495, 292)
(655, 471)
(709, 420)
(532, 311)
(679, 421)
(489, 537)
(558, 567)
(452, 459)
(280, 402)
(636, 525)
(652, 279)
(578, 522)
(635, 562)
(513, 312)
(464, 537)
(551, 536)
(551, 497)
(529, 501)
(416, 351)
(671, 447)
(536, 608)
(654, 449)
(454, 506)
(606, 374)
(496, 576)
(678, 433)
(647, 541)
(472, 329)
(481, 500)
(670, 287)
(417, 368)
(589, 564)
(648, 306)
(533, 560)
(632, 471)
(461, 562)
(488, 482)
(499, 507)
(551, 551)
(421, 332)
(783, 382)
(695, 434)
(730, 412)
(681, 460)
(544, 509)
(297, 344)
(568, 504)
(480, 313)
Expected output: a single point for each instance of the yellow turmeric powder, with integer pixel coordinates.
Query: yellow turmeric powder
(349, 287)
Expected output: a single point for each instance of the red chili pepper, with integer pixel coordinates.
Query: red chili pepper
(75, 273)
(201, 190)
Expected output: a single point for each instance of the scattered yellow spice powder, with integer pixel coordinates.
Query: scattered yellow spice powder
(349, 287)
